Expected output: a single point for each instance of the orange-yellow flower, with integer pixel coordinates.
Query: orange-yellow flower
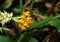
(25, 20)
(26, 13)
(22, 26)
(20, 21)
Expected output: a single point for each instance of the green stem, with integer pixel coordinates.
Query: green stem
(31, 10)
(21, 5)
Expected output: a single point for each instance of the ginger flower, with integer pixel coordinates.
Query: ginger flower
(25, 20)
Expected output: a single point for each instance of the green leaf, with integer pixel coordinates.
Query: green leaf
(1, 29)
(21, 38)
(25, 38)
(21, 5)
(39, 24)
(35, 25)
(31, 8)
(6, 29)
(6, 4)
(56, 23)
(5, 39)
(31, 39)
(16, 10)
(40, 0)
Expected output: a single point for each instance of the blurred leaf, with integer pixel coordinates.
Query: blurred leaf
(6, 29)
(42, 23)
(37, 24)
(5, 39)
(56, 23)
(6, 4)
(21, 5)
(26, 38)
(31, 39)
(31, 8)
(16, 10)
(21, 38)
(40, 0)
(1, 29)
(27, 2)
(46, 39)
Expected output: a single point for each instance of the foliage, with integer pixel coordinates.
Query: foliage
(5, 39)
(29, 22)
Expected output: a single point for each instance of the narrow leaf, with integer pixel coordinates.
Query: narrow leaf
(42, 23)
(31, 39)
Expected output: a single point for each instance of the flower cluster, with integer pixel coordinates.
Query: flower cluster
(5, 17)
(25, 20)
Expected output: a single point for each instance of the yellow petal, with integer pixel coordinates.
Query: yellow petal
(25, 24)
(23, 17)
(20, 21)
(28, 18)
(26, 13)
(23, 28)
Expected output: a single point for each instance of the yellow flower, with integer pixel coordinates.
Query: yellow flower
(22, 26)
(25, 20)
(25, 24)
(25, 14)
(29, 20)
(20, 21)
